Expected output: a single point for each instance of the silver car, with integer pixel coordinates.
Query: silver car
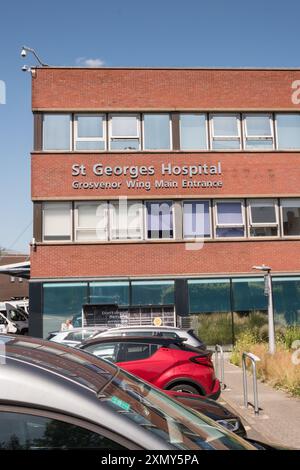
(166, 331)
(54, 397)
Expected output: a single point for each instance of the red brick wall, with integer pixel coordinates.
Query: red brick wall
(169, 89)
(154, 259)
(243, 174)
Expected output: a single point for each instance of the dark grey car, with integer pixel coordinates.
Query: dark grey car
(52, 396)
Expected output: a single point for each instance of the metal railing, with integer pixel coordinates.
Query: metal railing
(219, 364)
(254, 359)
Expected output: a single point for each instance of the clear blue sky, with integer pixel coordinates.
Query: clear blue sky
(119, 32)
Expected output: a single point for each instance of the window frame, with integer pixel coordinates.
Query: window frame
(281, 206)
(58, 240)
(142, 220)
(69, 419)
(209, 216)
(88, 229)
(90, 139)
(146, 219)
(170, 149)
(217, 225)
(252, 224)
(206, 131)
(213, 138)
(247, 138)
(111, 136)
(70, 149)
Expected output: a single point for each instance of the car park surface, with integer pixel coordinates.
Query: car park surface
(52, 396)
(165, 362)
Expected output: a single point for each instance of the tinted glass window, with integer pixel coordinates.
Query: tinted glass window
(107, 351)
(136, 351)
(157, 131)
(25, 432)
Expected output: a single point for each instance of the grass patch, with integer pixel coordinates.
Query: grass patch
(278, 370)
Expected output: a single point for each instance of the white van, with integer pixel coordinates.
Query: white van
(7, 326)
(16, 316)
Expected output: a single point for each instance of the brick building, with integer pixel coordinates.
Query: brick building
(12, 286)
(207, 165)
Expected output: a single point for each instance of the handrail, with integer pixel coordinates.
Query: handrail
(254, 359)
(219, 364)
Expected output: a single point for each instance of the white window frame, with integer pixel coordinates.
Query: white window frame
(137, 136)
(170, 133)
(89, 139)
(252, 224)
(218, 225)
(213, 138)
(282, 200)
(129, 201)
(250, 138)
(146, 219)
(209, 215)
(71, 133)
(78, 228)
(206, 132)
(70, 220)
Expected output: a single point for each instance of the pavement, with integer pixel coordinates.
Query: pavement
(278, 421)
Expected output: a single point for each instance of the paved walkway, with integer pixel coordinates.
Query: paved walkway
(279, 418)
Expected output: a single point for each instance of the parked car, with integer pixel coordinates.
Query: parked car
(212, 409)
(73, 337)
(91, 403)
(165, 362)
(166, 331)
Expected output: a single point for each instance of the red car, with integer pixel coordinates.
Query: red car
(165, 362)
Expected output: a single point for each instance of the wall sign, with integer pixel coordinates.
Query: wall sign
(136, 177)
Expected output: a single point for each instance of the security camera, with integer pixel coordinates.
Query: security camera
(23, 52)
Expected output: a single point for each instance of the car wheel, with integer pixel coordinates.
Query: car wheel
(185, 388)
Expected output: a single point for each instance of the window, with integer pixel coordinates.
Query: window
(196, 219)
(56, 221)
(126, 220)
(113, 292)
(258, 132)
(291, 217)
(193, 132)
(12, 279)
(56, 132)
(62, 301)
(159, 219)
(89, 132)
(229, 217)
(157, 132)
(263, 218)
(136, 351)
(288, 131)
(152, 292)
(225, 132)
(24, 432)
(91, 221)
(124, 132)
(107, 351)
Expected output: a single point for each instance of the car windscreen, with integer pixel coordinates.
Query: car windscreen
(164, 417)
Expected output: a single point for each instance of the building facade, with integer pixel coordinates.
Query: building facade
(164, 187)
(12, 287)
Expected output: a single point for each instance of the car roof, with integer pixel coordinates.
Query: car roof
(148, 327)
(133, 339)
